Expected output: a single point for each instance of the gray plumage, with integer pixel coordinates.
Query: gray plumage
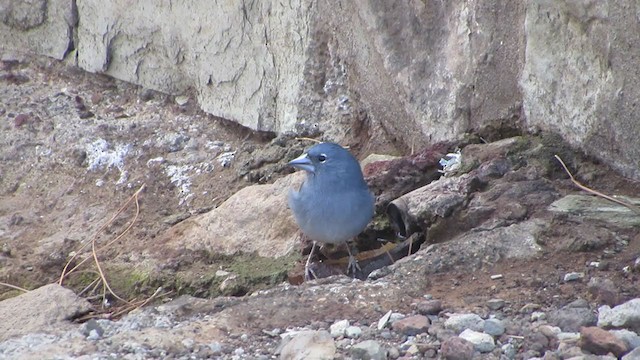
(334, 203)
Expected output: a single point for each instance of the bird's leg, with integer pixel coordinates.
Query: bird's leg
(308, 272)
(353, 263)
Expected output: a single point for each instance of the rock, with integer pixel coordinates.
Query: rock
(494, 327)
(604, 290)
(353, 332)
(495, 304)
(629, 337)
(368, 350)
(457, 348)
(596, 209)
(573, 276)
(318, 345)
(48, 307)
(538, 316)
(384, 320)
(632, 355)
(571, 319)
(600, 342)
(460, 322)
(339, 328)
(482, 342)
(238, 225)
(528, 308)
(429, 307)
(41, 27)
(551, 332)
(626, 315)
(412, 325)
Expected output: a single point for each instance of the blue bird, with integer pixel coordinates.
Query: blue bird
(334, 203)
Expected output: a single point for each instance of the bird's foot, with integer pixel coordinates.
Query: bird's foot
(353, 266)
(309, 274)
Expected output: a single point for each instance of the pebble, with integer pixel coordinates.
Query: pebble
(538, 316)
(368, 350)
(573, 276)
(601, 342)
(320, 344)
(571, 318)
(460, 322)
(494, 327)
(339, 328)
(412, 325)
(481, 341)
(528, 308)
(633, 355)
(495, 304)
(429, 307)
(626, 315)
(384, 320)
(353, 332)
(629, 337)
(457, 348)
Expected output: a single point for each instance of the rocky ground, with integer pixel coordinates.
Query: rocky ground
(504, 257)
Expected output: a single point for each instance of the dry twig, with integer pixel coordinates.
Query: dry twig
(594, 192)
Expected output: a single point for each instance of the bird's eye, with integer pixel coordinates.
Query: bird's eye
(322, 158)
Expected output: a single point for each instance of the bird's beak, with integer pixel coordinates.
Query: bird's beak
(303, 162)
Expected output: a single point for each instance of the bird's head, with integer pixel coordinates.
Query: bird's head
(329, 161)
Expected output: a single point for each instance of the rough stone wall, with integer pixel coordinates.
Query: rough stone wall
(416, 71)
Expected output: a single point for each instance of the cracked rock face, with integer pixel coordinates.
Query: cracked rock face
(418, 72)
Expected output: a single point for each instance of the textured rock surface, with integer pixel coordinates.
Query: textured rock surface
(48, 308)
(421, 71)
(256, 219)
(40, 26)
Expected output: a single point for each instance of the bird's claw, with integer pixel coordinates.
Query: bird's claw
(309, 274)
(353, 266)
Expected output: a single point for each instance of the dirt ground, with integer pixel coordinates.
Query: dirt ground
(54, 191)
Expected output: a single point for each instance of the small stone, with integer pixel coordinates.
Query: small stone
(495, 304)
(568, 337)
(222, 273)
(339, 328)
(626, 315)
(412, 325)
(604, 290)
(509, 350)
(353, 332)
(573, 276)
(456, 348)
(384, 320)
(188, 343)
(551, 332)
(393, 352)
(182, 100)
(368, 350)
(395, 317)
(412, 350)
(93, 335)
(528, 308)
(429, 307)
(309, 343)
(633, 355)
(481, 342)
(460, 322)
(145, 95)
(629, 337)
(494, 327)
(600, 342)
(570, 318)
(538, 316)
